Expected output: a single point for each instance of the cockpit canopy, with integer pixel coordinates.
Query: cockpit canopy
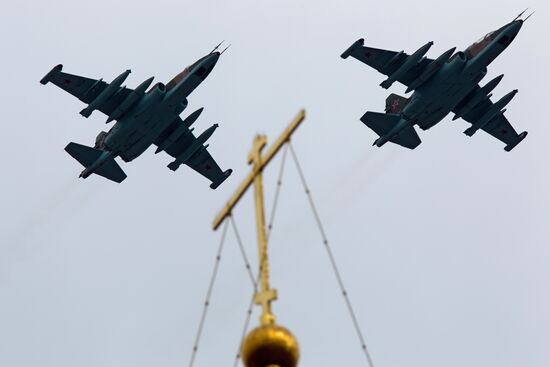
(479, 45)
(502, 35)
(201, 71)
(178, 78)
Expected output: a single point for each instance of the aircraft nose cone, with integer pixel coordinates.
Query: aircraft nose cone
(516, 26)
(211, 60)
(214, 57)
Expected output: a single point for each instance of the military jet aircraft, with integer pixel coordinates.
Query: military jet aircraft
(142, 119)
(446, 84)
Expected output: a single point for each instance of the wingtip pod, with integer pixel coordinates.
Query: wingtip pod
(173, 165)
(347, 53)
(86, 112)
(522, 136)
(47, 77)
(386, 84)
(224, 177)
(470, 131)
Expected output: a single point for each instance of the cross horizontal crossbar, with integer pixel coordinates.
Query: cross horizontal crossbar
(283, 138)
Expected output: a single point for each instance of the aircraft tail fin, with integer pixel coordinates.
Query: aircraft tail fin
(395, 104)
(383, 123)
(88, 156)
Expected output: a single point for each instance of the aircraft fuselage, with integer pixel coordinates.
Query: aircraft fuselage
(142, 124)
(436, 98)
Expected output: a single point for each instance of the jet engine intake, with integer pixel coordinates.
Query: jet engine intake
(153, 97)
(158, 88)
(457, 63)
(181, 106)
(157, 93)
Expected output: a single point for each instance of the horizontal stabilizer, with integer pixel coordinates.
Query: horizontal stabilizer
(383, 124)
(111, 171)
(87, 156)
(408, 138)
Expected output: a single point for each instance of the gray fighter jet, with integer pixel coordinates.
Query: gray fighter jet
(446, 84)
(142, 119)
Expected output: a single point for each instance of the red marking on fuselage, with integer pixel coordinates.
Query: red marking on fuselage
(395, 105)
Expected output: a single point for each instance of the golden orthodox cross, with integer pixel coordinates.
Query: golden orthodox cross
(266, 294)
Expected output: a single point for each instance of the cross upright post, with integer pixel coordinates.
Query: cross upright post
(266, 294)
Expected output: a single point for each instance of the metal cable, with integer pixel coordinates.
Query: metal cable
(331, 257)
(270, 223)
(277, 191)
(247, 321)
(247, 265)
(208, 296)
(245, 258)
(243, 252)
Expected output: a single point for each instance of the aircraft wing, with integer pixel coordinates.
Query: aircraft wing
(386, 62)
(499, 127)
(202, 162)
(86, 89)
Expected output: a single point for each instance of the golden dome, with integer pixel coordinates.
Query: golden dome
(270, 345)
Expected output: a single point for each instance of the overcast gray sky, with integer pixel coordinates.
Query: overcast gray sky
(444, 249)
